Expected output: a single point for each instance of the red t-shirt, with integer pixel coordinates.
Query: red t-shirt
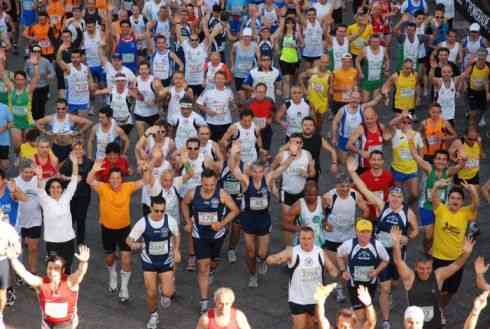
(121, 163)
(262, 108)
(380, 185)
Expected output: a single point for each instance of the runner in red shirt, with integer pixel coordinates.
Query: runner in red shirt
(377, 179)
(263, 108)
(57, 292)
(113, 159)
(224, 315)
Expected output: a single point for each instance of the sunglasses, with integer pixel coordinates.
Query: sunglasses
(194, 40)
(158, 211)
(193, 148)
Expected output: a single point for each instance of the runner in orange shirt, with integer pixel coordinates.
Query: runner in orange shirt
(40, 33)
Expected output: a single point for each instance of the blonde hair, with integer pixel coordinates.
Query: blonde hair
(223, 291)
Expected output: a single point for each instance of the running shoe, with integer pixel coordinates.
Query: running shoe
(165, 301)
(11, 296)
(386, 325)
(253, 281)
(153, 321)
(232, 256)
(203, 306)
(123, 295)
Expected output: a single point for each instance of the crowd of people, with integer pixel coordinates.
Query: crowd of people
(203, 83)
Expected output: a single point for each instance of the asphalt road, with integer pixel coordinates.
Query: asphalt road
(265, 307)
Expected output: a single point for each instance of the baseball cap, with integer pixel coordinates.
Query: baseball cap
(247, 32)
(475, 27)
(347, 56)
(396, 189)
(186, 102)
(35, 48)
(414, 313)
(117, 56)
(216, 7)
(364, 225)
(120, 77)
(482, 51)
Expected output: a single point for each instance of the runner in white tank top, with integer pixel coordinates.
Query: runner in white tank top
(104, 137)
(78, 85)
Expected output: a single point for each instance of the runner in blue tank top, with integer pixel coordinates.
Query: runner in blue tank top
(202, 211)
(157, 236)
(126, 46)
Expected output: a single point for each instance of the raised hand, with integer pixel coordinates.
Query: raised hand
(351, 164)
(364, 296)
(468, 245)
(83, 254)
(480, 266)
(322, 292)
(481, 301)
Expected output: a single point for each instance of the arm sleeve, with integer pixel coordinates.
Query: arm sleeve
(137, 230)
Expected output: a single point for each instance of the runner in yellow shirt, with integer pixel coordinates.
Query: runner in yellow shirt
(406, 90)
(451, 222)
(359, 33)
(318, 89)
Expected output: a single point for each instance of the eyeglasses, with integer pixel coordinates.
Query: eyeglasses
(194, 40)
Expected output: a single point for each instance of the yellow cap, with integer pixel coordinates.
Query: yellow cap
(363, 225)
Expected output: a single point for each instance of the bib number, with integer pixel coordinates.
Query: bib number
(259, 203)
(158, 248)
(208, 218)
(128, 58)
(361, 273)
(310, 275)
(231, 187)
(56, 310)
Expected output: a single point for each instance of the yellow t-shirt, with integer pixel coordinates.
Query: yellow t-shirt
(479, 77)
(27, 151)
(114, 206)
(361, 41)
(405, 92)
(318, 92)
(472, 164)
(449, 231)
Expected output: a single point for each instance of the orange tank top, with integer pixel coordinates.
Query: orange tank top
(344, 79)
(434, 133)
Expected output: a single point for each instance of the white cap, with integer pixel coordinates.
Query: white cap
(247, 32)
(475, 27)
(414, 313)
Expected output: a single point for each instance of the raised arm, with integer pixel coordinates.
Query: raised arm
(441, 183)
(406, 273)
(91, 177)
(361, 186)
(321, 295)
(478, 305)
(443, 273)
(474, 196)
(83, 256)
(480, 270)
(32, 280)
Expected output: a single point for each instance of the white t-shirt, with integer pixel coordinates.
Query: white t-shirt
(218, 101)
(29, 213)
(8, 235)
(111, 74)
(186, 127)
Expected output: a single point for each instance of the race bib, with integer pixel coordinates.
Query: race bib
(19, 110)
(56, 310)
(311, 275)
(361, 273)
(318, 87)
(158, 248)
(128, 58)
(428, 313)
(472, 163)
(385, 239)
(231, 187)
(81, 86)
(405, 154)
(44, 43)
(380, 194)
(433, 140)
(346, 96)
(259, 203)
(207, 218)
(407, 92)
(260, 122)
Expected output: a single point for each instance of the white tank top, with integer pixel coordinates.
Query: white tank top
(471, 49)
(307, 274)
(349, 121)
(375, 63)
(207, 150)
(453, 52)
(294, 116)
(156, 172)
(342, 218)
(160, 65)
(120, 108)
(446, 97)
(91, 44)
(138, 26)
(292, 181)
(163, 28)
(173, 108)
(313, 39)
(142, 108)
(211, 71)
(248, 142)
(197, 166)
(313, 219)
(61, 127)
(194, 65)
(172, 201)
(103, 138)
(77, 85)
(339, 51)
(164, 147)
(411, 49)
(186, 128)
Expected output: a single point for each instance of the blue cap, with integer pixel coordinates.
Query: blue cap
(117, 56)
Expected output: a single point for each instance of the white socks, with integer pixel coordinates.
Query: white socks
(125, 276)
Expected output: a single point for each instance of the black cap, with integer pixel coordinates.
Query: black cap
(216, 7)
(187, 102)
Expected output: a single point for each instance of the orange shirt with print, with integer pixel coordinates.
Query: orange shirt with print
(40, 33)
(56, 11)
(101, 4)
(114, 206)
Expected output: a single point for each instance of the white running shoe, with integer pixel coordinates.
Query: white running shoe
(232, 256)
(262, 267)
(386, 325)
(339, 295)
(153, 321)
(253, 282)
(165, 301)
(203, 306)
(123, 295)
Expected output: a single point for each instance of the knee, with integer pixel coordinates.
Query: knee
(385, 289)
(203, 268)
(251, 252)
(151, 293)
